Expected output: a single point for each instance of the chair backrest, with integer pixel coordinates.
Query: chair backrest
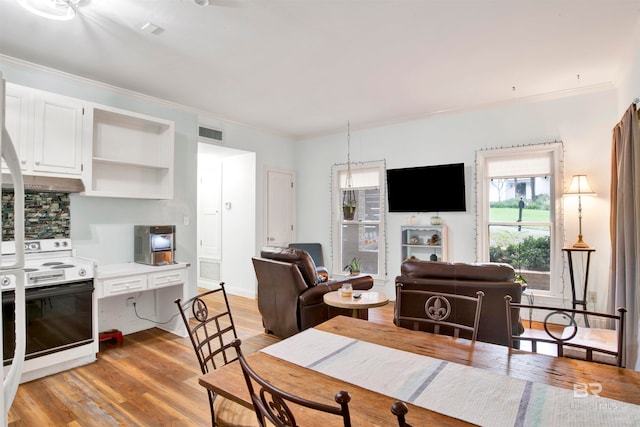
(314, 249)
(275, 405)
(296, 256)
(212, 330)
(399, 409)
(438, 309)
(562, 331)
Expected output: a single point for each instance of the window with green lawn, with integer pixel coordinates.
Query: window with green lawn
(518, 212)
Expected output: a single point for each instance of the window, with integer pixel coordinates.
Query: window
(361, 237)
(518, 197)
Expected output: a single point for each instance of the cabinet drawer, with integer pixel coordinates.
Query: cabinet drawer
(123, 285)
(166, 278)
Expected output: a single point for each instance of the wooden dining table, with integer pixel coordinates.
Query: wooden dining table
(369, 408)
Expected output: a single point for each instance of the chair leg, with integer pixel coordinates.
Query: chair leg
(212, 398)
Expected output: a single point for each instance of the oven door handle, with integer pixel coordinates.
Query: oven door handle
(61, 289)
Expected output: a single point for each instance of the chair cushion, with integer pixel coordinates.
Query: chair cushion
(299, 257)
(229, 414)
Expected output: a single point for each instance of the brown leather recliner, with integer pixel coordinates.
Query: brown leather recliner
(290, 291)
(495, 280)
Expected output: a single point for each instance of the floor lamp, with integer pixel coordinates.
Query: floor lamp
(580, 187)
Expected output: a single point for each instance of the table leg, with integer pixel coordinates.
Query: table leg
(355, 313)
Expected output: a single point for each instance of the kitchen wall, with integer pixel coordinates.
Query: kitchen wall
(583, 122)
(102, 228)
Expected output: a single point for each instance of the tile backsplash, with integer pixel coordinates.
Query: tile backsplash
(46, 215)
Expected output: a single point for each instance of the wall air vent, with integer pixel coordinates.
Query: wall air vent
(210, 134)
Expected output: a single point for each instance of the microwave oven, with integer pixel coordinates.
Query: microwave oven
(154, 244)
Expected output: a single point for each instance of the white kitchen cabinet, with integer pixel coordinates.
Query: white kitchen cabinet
(124, 285)
(425, 242)
(46, 130)
(128, 154)
(154, 290)
(19, 110)
(57, 140)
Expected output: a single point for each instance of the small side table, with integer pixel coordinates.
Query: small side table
(367, 300)
(583, 302)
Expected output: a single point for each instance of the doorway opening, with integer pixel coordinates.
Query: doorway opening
(226, 218)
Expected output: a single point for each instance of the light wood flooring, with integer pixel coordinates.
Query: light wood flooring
(150, 380)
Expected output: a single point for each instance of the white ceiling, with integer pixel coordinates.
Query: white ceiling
(305, 67)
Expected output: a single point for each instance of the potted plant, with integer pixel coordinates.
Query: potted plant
(349, 205)
(353, 267)
(349, 209)
(519, 279)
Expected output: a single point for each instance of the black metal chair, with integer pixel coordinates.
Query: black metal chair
(212, 333)
(569, 339)
(438, 309)
(399, 409)
(274, 405)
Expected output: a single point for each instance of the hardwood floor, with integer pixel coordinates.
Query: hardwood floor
(150, 380)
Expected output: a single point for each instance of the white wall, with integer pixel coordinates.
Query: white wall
(102, 228)
(583, 122)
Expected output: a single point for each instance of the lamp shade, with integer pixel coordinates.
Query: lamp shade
(580, 186)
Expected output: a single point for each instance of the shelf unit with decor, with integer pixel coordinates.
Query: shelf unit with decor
(425, 242)
(131, 154)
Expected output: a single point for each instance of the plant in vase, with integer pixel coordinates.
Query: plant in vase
(349, 205)
(349, 210)
(353, 267)
(519, 279)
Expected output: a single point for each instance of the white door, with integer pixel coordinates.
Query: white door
(280, 208)
(209, 220)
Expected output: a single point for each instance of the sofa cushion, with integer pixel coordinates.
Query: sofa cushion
(299, 257)
(491, 272)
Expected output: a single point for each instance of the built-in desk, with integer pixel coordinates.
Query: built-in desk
(153, 289)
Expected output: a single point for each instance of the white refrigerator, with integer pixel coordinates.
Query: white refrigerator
(12, 375)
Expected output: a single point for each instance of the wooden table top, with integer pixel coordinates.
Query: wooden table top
(368, 299)
(373, 409)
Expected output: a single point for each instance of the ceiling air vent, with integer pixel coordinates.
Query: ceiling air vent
(209, 134)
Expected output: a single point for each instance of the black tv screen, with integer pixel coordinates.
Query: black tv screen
(427, 189)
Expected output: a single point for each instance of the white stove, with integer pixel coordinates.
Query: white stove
(47, 262)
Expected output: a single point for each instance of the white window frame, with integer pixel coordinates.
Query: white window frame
(555, 151)
(337, 219)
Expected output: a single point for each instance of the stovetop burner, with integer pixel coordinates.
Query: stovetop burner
(47, 262)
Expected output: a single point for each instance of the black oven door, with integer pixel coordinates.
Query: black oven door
(58, 317)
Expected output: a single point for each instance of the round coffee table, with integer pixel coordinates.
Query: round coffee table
(368, 299)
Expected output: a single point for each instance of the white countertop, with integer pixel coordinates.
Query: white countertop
(105, 271)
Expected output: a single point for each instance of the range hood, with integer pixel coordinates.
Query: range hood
(46, 183)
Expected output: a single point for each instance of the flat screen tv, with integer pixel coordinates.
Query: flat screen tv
(427, 189)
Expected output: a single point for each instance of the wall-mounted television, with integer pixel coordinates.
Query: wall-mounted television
(437, 188)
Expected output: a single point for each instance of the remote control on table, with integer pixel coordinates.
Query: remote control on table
(357, 295)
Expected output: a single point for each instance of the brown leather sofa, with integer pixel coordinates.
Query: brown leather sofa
(290, 291)
(495, 280)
